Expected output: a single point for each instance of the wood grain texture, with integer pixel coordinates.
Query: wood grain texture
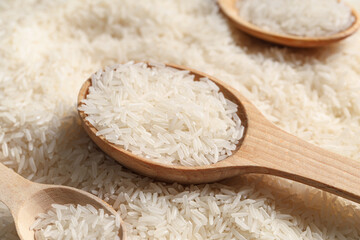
(228, 7)
(264, 149)
(26, 200)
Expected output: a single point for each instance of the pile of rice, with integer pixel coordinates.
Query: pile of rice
(49, 48)
(76, 222)
(162, 114)
(310, 18)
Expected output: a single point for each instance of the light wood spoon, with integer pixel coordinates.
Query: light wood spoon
(264, 149)
(230, 9)
(26, 200)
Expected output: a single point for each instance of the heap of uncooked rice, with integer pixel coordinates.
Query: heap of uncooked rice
(311, 18)
(49, 48)
(161, 113)
(76, 222)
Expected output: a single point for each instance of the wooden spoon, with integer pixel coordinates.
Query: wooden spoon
(26, 200)
(230, 9)
(264, 149)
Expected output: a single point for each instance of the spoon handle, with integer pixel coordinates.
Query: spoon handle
(14, 189)
(272, 151)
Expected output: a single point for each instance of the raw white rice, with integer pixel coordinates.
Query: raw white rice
(49, 48)
(76, 222)
(163, 114)
(311, 18)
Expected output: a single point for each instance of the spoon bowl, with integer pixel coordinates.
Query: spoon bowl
(264, 149)
(26, 200)
(228, 7)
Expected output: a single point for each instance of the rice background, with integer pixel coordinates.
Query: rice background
(47, 50)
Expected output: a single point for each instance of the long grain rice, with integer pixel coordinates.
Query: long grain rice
(163, 114)
(310, 18)
(76, 222)
(48, 49)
